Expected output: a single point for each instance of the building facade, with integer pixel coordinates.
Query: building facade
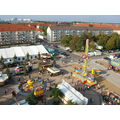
(12, 34)
(55, 33)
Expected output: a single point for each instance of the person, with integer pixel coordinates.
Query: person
(19, 79)
(13, 93)
(6, 91)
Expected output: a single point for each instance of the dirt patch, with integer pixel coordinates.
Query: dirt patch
(106, 85)
(103, 63)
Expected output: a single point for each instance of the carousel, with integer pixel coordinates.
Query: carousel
(27, 86)
(83, 74)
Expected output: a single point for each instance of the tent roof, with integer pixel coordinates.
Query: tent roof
(72, 94)
(21, 51)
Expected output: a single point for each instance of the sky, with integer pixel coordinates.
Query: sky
(69, 18)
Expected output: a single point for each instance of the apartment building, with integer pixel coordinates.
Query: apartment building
(12, 34)
(56, 32)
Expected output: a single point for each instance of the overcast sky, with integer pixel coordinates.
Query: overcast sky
(82, 18)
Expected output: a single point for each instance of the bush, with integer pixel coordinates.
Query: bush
(31, 99)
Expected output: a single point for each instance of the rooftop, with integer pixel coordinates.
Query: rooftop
(16, 27)
(55, 27)
(112, 26)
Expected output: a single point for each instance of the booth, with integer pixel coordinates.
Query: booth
(53, 70)
(3, 78)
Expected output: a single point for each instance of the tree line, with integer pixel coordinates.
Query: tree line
(77, 43)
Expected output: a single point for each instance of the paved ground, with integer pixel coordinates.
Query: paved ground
(67, 66)
(109, 75)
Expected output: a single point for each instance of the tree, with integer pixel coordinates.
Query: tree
(111, 44)
(92, 46)
(31, 99)
(83, 38)
(54, 63)
(40, 67)
(15, 57)
(1, 59)
(69, 102)
(116, 37)
(27, 56)
(74, 42)
(25, 69)
(39, 56)
(56, 94)
(45, 30)
(65, 40)
(102, 40)
(7, 70)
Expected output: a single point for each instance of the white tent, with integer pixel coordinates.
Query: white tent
(71, 94)
(53, 70)
(21, 51)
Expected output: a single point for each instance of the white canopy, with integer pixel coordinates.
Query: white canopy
(72, 94)
(21, 51)
(3, 77)
(53, 70)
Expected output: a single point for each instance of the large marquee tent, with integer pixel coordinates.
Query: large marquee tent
(21, 51)
(71, 94)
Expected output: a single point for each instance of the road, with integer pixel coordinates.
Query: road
(109, 75)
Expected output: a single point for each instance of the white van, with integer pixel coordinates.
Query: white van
(97, 52)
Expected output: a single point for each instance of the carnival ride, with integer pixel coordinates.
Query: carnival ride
(32, 85)
(84, 74)
(114, 64)
(110, 98)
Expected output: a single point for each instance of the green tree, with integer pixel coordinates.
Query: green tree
(83, 38)
(111, 44)
(56, 94)
(65, 40)
(7, 70)
(54, 63)
(116, 37)
(74, 42)
(27, 56)
(1, 59)
(69, 102)
(45, 30)
(92, 46)
(39, 56)
(25, 69)
(31, 99)
(15, 57)
(40, 67)
(102, 40)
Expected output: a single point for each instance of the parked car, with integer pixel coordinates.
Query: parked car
(106, 58)
(91, 54)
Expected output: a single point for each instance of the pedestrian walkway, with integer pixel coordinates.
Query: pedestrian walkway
(110, 75)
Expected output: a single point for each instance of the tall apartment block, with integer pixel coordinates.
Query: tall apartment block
(12, 33)
(56, 32)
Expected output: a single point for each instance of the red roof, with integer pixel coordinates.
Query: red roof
(16, 27)
(114, 27)
(36, 24)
